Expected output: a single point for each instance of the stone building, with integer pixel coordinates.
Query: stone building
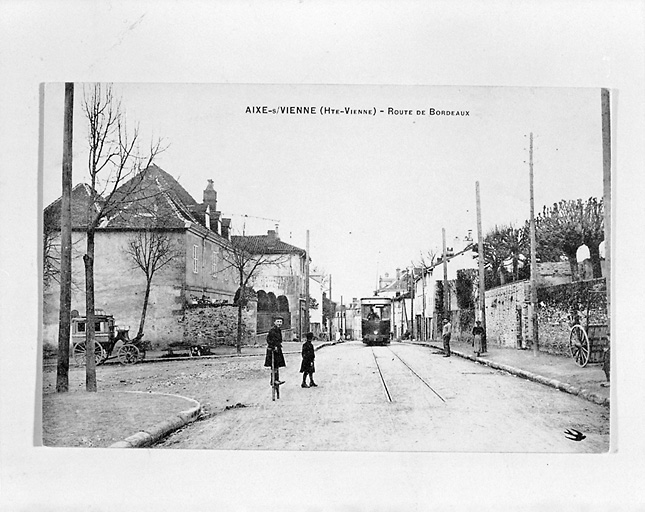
(280, 287)
(197, 234)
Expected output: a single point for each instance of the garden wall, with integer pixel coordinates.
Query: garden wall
(506, 314)
(217, 324)
(559, 307)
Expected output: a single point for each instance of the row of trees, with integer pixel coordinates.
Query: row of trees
(561, 230)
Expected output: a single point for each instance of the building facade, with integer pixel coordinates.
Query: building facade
(196, 272)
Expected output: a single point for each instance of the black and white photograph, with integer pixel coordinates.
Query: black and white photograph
(316, 255)
(354, 217)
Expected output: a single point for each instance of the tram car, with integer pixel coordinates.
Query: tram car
(376, 314)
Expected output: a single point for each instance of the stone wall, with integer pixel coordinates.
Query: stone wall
(559, 307)
(217, 324)
(506, 310)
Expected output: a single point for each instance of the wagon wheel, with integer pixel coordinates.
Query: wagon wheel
(128, 354)
(579, 345)
(79, 353)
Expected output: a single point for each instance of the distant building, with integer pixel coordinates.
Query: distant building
(280, 288)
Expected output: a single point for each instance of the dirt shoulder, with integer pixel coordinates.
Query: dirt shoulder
(82, 419)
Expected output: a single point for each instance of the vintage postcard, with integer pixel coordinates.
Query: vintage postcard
(326, 268)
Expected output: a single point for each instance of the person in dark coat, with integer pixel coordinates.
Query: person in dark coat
(307, 366)
(274, 348)
(479, 336)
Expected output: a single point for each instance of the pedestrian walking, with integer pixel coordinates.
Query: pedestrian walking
(274, 351)
(478, 338)
(445, 335)
(307, 366)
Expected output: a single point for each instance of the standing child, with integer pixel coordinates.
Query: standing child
(307, 365)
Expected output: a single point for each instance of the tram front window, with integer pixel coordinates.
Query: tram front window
(376, 312)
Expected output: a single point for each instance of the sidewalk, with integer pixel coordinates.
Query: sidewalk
(556, 371)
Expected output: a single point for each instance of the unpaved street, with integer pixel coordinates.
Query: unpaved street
(396, 398)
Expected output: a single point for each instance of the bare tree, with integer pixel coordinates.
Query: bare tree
(427, 259)
(241, 258)
(51, 246)
(114, 159)
(151, 249)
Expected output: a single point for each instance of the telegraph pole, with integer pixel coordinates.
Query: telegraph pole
(446, 291)
(606, 181)
(534, 322)
(307, 299)
(332, 313)
(412, 303)
(482, 275)
(62, 370)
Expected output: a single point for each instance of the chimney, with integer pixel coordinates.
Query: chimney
(398, 274)
(207, 217)
(272, 237)
(210, 196)
(226, 227)
(215, 221)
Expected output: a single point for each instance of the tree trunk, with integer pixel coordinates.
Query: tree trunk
(573, 263)
(144, 310)
(238, 344)
(594, 255)
(62, 370)
(90, 363)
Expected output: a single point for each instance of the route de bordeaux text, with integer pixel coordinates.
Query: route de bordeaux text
(391, 111)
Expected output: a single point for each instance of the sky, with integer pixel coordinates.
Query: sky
(374, 190)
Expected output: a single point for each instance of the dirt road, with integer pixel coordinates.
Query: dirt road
(397, 398)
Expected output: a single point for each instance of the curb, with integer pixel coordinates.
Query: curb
(554, 383)
(160, 430)
(152, 435)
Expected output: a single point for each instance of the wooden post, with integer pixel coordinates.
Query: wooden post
(446, 291)
(307, 326)
(412, 303)
(482, 275)
(64, 319)
(424, 334)
(534, 322)
(606, 181)
(331, 313)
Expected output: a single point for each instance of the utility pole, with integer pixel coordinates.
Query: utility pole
(423, 307)
(340, 317)
(307, 299)
(482, 275)
(534, 322)
(62, 370)
(606, 182)
(446, 291)
(331, 312)
(412, 303)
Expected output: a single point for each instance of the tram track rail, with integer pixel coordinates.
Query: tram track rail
(380, 373)
(416, 374)
(384, 382)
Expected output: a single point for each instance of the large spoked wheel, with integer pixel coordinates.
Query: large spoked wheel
(579, 345)
(79, 353)
(128, 354)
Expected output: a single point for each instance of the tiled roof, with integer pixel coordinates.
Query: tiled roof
(265, 244)
(156, 195)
